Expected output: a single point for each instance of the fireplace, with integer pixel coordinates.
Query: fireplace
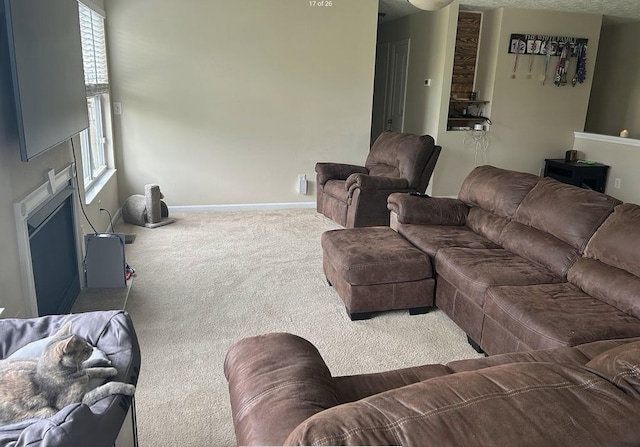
(54, 255)
(49, 246)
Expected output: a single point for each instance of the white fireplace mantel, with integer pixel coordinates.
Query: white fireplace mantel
(25, 208)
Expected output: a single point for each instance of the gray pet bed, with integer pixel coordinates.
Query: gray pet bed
(111, 332)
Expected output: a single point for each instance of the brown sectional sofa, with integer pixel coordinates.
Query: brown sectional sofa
(523, 262)
(543, 275)
(282, 393)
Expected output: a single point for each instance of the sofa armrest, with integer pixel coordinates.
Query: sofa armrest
(426, 210)
(336, 171)
(276, 381)
(365, 181)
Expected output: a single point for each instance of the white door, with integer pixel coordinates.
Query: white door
(397, 87)
(380, 86)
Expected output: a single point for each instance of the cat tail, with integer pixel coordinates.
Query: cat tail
(108, 389)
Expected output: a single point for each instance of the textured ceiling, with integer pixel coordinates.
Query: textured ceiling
(615, 11)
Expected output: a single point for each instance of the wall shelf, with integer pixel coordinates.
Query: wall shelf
(465, 113)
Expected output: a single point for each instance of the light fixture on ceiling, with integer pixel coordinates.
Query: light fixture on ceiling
(430, 5)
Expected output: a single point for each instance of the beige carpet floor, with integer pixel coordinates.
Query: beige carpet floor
(209, 279)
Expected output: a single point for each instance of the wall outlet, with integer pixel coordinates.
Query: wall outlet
(117, 108)
(302, 183)
(617, 183)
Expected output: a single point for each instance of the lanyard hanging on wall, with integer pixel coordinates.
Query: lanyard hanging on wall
(547, 57)
(581, 64)
(515, 60)
(562, 67)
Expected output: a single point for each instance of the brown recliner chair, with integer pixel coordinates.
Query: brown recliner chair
(356, 196)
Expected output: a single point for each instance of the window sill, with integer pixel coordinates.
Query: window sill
(92, 192)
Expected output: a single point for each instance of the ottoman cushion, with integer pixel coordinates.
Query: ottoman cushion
(374, 255)
(375, 269)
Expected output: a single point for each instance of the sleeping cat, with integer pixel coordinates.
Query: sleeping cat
(40, 387)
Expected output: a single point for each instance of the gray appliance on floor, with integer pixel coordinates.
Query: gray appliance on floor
(104, 261)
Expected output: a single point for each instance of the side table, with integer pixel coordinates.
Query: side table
(578, 172)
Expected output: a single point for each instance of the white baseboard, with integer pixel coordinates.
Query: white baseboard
(239, 207)
(117, 217)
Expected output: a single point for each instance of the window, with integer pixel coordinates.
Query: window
(94, 56)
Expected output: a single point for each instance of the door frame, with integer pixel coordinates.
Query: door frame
(392, 82)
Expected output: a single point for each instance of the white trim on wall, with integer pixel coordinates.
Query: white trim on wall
(239, 207)
(607, 138)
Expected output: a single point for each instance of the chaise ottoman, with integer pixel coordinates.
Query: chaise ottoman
(375, 269)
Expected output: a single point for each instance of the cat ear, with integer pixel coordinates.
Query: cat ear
(64, 330)
(62, 347)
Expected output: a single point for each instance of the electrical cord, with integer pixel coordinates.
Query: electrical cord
(110, 219)
(477, 141)
(75, 172)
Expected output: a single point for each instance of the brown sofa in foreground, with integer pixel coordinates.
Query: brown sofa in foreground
(523, 262)
(282, 392)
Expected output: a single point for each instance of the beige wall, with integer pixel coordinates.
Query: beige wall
(615, 95)
(227, 102)
(427, 31)
(531, 122)
(18, 179)
(623, 157)
(432, 40)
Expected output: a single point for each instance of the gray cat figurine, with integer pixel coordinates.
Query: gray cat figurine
(40, 387)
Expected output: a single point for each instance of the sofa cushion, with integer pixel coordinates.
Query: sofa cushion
(609, 284)
(579, 355)
(431, 238)
(621, 366)
(554, 315)
(613, 243)
(496, 190)
(610, 268)
(487, 224)
(472, 271)
(400, 155)
(539, 247)
(554, 222)
(524, 404)
(569, 213)
(356, 387)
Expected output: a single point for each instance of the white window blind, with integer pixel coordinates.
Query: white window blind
(94, 51)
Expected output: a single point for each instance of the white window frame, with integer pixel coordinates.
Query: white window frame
(94, 159)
